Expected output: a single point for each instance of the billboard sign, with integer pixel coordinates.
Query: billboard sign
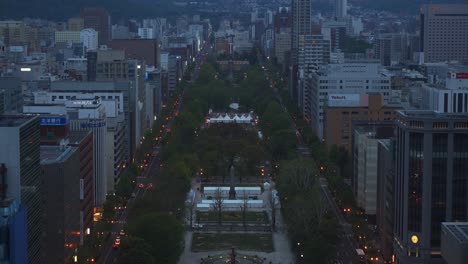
(53, 120)
(347, 100)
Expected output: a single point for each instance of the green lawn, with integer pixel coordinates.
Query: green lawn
(225, 241)
(229, 217)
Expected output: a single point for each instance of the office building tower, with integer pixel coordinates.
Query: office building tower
(301, 22)
(2, 102)
(301, 25)
(341, 9)
(385, 195)
(55, 131)
(335, 32)
(451, 97)
(444, 32)
(13, 228)
(343, 112)
(12, 95)
(383, 49)
(75, 24)
(431, 181)
(147, 50)
(395, 48)
(21, 155)
(365, 158)
(340, 79)
(282, 25)
(83, 141)
(98, 19)
(61, 186)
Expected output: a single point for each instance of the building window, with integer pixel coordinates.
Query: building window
(439, 185)
(416, 162)
(440, 125)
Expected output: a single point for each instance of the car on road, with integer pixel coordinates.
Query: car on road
(149, 187)
(116, 243)
(122, 233)
(141, 185)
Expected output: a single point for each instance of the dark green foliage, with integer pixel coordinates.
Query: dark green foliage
(355, 45)
(136, 250)
(162, 232)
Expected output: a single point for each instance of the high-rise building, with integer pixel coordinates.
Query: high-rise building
(61, 181)
(12, 95)
(282, 33)
(341, 9)
(147, 50)
(344, 111)
(365, 160)
(340, 79)
(98, 19)
(335, 32)
(13, 228)
(2, 102)
(75, 24)
(431, 181)
(21, 155)
(385, 195)
(301, 25)
(444, 32)
(383, 49)
(83, 140)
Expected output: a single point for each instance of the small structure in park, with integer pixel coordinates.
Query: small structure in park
(229, 118)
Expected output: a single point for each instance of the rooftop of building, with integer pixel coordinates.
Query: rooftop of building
(14, 120)
(88, 86)
(458, 229)
(352, 70)
(375, 131)
(429, 114)
(75, 137)
(55, 154)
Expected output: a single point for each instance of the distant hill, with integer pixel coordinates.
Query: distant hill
(406, 6)
(61, 10)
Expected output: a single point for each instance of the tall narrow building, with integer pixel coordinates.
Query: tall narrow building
(444, 32)
(302, 20)
(431, 182)
(20, 154)
(341, 9)
(301, 26)
(99, 20)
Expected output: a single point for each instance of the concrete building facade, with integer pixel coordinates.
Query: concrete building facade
(444, 32)
(338, 79)
(343, 111)
(431, 181)
(61, 180)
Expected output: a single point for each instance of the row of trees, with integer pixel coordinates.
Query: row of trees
(312, 228)
(159, 213)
